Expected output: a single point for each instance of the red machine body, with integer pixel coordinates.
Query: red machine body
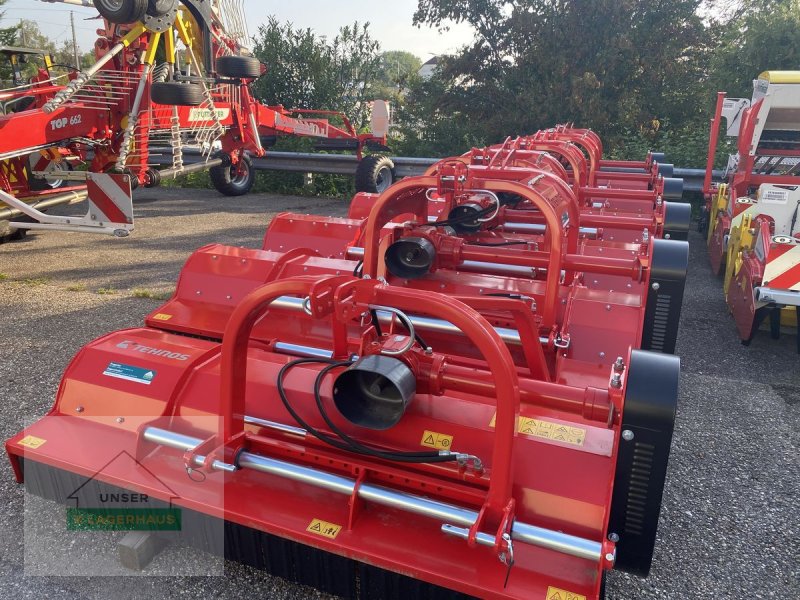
(541, 404)
(126, 102)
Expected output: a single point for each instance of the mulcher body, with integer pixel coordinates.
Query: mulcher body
(496, 431)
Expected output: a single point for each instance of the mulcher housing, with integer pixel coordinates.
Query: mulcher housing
(497, 424)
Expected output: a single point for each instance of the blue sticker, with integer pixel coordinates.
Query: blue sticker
(129, 373)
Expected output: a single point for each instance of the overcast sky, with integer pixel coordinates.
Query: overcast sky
(391, 21)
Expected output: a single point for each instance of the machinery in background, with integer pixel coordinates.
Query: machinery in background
(167, 73)
(752, 218)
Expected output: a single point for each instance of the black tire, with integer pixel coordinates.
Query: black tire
(375, 174)
(122, 11)
(234, 180)
(39, 185)
(177, 94)
(159, 8)
(239, 67)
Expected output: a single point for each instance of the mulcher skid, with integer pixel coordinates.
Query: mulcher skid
(399, 408)
(752, 218)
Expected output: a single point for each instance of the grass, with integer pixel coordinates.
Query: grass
(76, 288)
(3, 276)
(151, 295)
(35, 281)
(106, 291)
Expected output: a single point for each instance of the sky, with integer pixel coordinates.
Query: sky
(390, 21)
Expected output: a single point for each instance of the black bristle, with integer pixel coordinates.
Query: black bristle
(304, 565)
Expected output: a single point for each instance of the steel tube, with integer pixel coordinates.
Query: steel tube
(193, 168)
(529, 534)
(530, 259)
(591, 403)
(509, 336)
(276, 426)
(345, 164)
(782, 297)
(50, 202)
(520, 263)
(590, 232)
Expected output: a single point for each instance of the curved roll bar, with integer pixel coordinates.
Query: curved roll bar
(360, 293)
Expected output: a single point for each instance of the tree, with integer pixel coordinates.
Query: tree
(397, 71)
(754, 41)
(7, 37)
(308, 71)
(606, 64)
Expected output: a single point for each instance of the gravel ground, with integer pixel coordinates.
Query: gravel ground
(730, 526)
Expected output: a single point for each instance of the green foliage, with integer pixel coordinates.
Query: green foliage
(764, 37)
(398, 70)
(310, 72)
(684, 145)
(535, 63)
(641, 74)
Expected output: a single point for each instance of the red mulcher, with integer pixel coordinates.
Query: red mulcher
(418, 401)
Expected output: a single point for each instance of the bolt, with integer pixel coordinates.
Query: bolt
(667, 236)
(610, 557)
(619, 365)
(120, 419)
(229, 297)
(608, 307)
(656, 286)
(78, 409)
(214, 257)
(616, 381)
(199, 293)
(627, 435)
(602, 355)
(614, 537)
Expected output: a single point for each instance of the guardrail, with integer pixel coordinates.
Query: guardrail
(345, 164)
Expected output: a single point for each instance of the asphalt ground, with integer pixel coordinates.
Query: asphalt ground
(730, 523)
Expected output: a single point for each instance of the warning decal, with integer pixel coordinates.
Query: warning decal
(554, 593)
(31, 441)
(162, 317)
(548, 430)
(439, 441)
(323, 528)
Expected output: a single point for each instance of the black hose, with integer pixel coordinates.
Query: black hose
(344, 442)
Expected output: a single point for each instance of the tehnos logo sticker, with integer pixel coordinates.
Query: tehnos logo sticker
(137, 347)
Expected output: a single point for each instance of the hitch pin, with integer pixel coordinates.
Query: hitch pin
(484, 539)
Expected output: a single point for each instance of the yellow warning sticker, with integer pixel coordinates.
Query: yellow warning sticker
(439, 441)
(323, 528)
(31, 441)
(162, 317)
(548, 430)
(554, 593)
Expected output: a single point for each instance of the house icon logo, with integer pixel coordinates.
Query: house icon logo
(97, 506)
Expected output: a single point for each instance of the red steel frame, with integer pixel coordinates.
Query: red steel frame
(475, 392)
(89, 127)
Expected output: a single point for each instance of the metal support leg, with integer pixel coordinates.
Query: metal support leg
(775, 322)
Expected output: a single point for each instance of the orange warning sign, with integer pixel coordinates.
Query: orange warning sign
(554, 593)
(439, 441)
(323, 528)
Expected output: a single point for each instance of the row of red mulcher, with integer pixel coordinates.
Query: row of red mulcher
(465, 387)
